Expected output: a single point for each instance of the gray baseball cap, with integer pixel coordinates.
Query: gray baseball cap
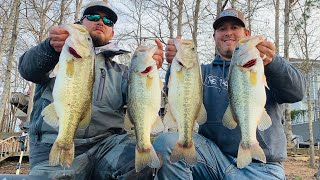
(102, 6)
(229, 14)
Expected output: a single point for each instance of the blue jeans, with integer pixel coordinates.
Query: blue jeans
(212, 163)
(110, 158)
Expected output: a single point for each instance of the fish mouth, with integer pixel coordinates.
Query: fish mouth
(147, 70)
(74, 53)
(250, 63)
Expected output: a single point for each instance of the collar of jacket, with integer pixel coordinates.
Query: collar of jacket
(110, 49)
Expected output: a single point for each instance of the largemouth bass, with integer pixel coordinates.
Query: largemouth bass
(71, 106)
(247, 98)
(185, 105)
(144, 100)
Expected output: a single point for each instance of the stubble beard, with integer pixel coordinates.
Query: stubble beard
(228, 54)
(98, 40)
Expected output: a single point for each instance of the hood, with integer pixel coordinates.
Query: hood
(218, 60)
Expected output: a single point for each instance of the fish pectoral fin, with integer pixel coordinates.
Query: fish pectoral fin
(157, 126)
(265, 122)
(128, 123)
(169, 121)
(70, 68)
(257, 153)
(202, 115)
(244, 156)
(50, 116)
(54, 72)
(86, 119)
(228, 119)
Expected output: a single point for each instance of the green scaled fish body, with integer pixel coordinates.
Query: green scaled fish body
(185, 105)
(144, 100)
(71, 107)
(247, 98)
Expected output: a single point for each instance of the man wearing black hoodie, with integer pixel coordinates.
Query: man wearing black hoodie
(216, 145)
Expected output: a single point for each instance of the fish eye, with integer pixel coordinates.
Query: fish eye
(237, 48)
(89, 39)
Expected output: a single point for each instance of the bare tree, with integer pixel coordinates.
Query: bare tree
(250, 13)
(7, 74)
(6, 92)
(180, 13)
(276, 24)
(287, 111)
(307, 45)
(78, 6)
(5, 33)
(195, 22)
(62, 11)
(219, 6)
(170, 21)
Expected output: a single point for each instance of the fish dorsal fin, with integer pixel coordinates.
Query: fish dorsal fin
(228, 119)
(265, 122)
(50, 116)
(86, 119)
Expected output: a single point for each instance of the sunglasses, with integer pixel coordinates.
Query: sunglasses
(97, 17)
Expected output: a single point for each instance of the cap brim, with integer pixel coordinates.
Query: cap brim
(217, 23)
(109, 12)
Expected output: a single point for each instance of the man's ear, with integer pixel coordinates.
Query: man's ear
(112, 33)
(247, 32)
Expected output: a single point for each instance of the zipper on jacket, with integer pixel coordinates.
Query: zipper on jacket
(101, 85)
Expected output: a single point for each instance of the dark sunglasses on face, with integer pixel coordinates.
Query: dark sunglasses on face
(97, 17)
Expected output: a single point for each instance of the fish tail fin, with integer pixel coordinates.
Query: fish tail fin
(189, 154)
(55, 154)
(146, 158)
(60, 156)
(245, 154)
(67, 157)
(257, 153)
